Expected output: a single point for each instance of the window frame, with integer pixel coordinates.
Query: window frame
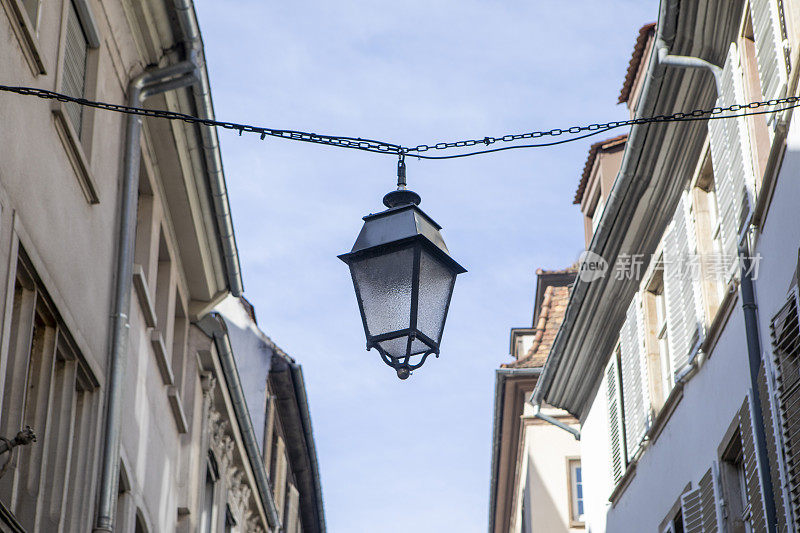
(78, 144)
(576, 519)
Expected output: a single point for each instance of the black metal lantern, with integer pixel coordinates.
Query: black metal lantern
(403, 276)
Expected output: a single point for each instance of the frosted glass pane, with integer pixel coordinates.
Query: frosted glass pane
(385, 286)
(435, 281)
(397, 347)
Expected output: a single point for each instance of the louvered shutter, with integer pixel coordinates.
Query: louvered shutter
(635, 390)
(681, 286)
(730, 154)
(708, 502)
(752, 479)
(692, 512)
(771, 56)
(74, 76)
(785, 330)
(615, 433)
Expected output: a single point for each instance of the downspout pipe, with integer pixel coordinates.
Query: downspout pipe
(664, 58)
(187, 20)
(537, 412)
(140, 88)
(214, 326)
(752, 333)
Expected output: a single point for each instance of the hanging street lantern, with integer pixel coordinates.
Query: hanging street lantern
(403, 277)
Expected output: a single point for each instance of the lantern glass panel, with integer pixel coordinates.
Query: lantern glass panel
(384, 284)
(397, 347)
(435, 287)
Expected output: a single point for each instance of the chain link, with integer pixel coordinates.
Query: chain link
(371, 145)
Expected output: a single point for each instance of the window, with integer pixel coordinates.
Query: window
(716, 268)
(32, 10)
(75, 56)
(49, 387)
(756, 124)
(658, 361)
(208, 514)
(734, 480)
(575, 491)
(597, 210)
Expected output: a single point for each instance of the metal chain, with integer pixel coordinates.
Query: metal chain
(371, 145)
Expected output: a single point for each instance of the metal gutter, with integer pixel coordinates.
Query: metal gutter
(214, 326)
(499, 393)
(655, 72)
(305, 418)
(187, 19)
(140, 88)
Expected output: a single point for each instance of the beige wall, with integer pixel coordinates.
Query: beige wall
(543, 476)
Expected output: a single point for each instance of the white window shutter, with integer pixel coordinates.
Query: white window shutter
(615, 433)
(635, 390)
(692, 512)
(731, 157)
(681, 286)
(769, 33)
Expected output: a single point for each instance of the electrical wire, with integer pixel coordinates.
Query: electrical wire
(383, 147)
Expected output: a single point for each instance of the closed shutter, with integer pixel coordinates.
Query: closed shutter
(752, 479)
(785, 330)
(769, 33)
(635, 389)
(615, 433)
(700, 508)
(692, 512)
(74, 77)
(708, 503)
(681, 287)
(730, 154)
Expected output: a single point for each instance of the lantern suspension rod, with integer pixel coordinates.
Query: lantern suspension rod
(382, 147)
(401, 172)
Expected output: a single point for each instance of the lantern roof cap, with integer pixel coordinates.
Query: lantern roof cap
(400, 224)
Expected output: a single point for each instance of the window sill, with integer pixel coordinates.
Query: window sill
(577, 525)
(26, 35)
(143, 294)
(630, 473)
(177, 409)
(672, 401)
(74, 149)
(162, 361)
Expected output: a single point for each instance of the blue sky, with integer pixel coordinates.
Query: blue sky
(407, 456)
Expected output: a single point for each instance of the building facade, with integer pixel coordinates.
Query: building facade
(116, 244)
(274, 387)
(679, 359)
(536, 479)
